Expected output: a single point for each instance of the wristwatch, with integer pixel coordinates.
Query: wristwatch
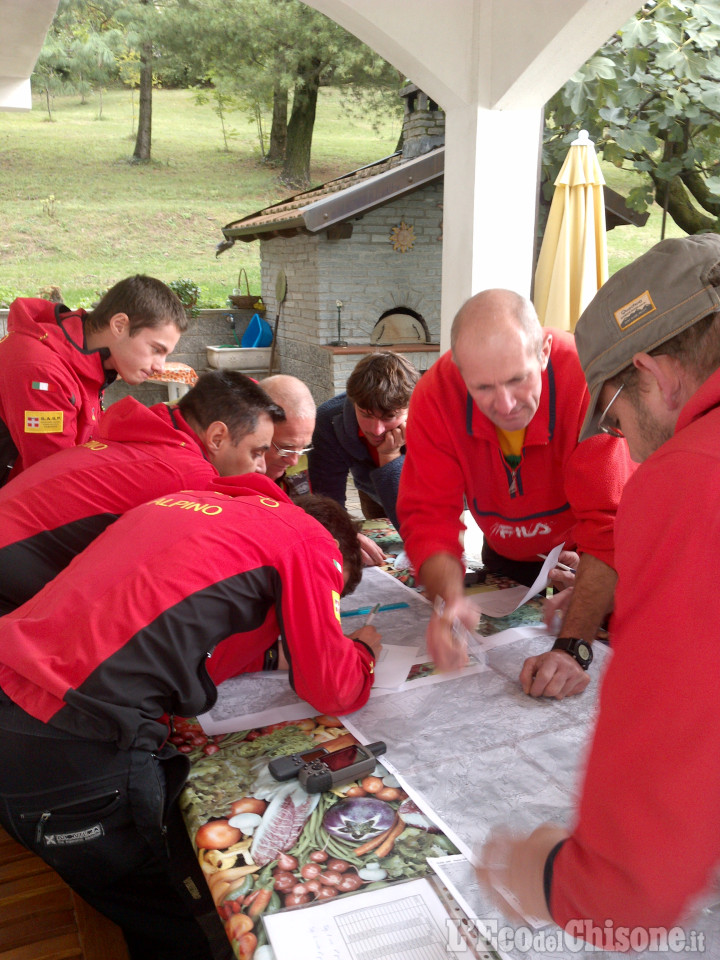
(578, 649)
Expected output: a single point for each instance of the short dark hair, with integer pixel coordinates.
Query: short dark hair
(338, 521)
(147, 302)
(382, 382)
(696, 349)
(231, 397)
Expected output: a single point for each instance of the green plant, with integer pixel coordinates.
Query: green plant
(7, 295)
(189, 294)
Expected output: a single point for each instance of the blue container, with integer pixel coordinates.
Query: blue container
(258, 333)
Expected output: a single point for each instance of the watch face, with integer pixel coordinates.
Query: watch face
(584, 651)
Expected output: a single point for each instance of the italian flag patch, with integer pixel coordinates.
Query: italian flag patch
(39, 385)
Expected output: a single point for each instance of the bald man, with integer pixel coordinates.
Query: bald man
(292, 439)
(496, 421)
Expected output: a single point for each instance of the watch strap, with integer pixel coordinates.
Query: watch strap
(580, 650)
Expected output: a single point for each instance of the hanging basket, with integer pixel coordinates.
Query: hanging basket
(243, 301)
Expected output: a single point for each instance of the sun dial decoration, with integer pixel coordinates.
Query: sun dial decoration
(402, 237)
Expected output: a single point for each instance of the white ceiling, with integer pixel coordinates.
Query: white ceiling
(496, 54)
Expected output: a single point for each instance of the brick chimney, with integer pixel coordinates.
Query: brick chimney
(423, 123)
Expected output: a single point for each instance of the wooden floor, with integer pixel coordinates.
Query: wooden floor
(42, 919)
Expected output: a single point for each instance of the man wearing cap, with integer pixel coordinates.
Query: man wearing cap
(646, 837)
(495, 422)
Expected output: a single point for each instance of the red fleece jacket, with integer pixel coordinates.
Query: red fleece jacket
(563, 491)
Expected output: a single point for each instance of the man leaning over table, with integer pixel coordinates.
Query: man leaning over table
(54, 509)
(646, 837)
(362, 433)
(55, 364)
(93, 667)
(496, 421)
(292, 441)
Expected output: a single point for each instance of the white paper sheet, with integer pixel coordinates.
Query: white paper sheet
(405, 921)
(502, 602)
(393, 666)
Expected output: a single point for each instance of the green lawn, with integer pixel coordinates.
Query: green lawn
(109, 218)
(76, 213)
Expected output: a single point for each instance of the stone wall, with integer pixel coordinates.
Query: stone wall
(366, 274)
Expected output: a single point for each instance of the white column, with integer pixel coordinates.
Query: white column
(15, 94)
(489, 204)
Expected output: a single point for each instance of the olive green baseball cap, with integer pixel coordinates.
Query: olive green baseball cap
(641, 306)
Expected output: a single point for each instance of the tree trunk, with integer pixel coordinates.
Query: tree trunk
(296, 169)
(278, 130)
(144, 132)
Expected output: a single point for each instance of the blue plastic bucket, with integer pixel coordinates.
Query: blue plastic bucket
(258, 333)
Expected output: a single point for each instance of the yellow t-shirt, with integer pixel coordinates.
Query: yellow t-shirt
(511, 444)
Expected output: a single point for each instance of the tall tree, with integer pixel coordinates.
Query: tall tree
(265, 49)
(650, 98)
(78, 55)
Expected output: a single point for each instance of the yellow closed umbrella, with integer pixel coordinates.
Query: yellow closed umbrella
(572, 265)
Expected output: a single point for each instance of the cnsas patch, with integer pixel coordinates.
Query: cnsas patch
(336, 604)
(43, 421)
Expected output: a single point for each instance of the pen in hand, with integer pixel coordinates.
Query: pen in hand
(371, 615)
(560, 566)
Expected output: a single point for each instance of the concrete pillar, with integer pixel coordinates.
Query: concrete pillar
(489, 204)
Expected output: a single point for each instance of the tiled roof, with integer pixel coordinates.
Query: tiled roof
(362, 190)
(340, 199)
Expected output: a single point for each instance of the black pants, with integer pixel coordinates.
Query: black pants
(524, 572)
(101, 818)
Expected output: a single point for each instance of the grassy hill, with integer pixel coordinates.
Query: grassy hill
(76, 213)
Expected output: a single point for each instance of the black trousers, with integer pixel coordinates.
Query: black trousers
(524, 572)
(105, 820)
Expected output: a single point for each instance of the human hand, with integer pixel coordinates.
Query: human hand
(372, 555)
(446, 645)
(512, 868)
(553, 674)
(391, 445)
(555, 608)
(369, 635)
(559, 578)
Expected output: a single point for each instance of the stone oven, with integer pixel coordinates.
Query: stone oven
(362, 259)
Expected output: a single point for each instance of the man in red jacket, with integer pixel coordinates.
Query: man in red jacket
(92, 667)
(55, 364)
(646, 836)
(223, 426)
(496, 421)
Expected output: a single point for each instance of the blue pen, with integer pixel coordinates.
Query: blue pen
(361, 611)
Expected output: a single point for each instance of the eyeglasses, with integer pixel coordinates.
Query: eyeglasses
(289, 451)
(607, 427)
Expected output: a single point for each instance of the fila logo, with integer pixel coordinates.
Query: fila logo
(506, 530)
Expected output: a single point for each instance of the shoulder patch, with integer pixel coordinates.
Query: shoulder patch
(43, 421)
(336, 604)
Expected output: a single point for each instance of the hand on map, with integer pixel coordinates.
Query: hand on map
(553, 674)
(445, 643)
(512, 867)
(369, 635)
